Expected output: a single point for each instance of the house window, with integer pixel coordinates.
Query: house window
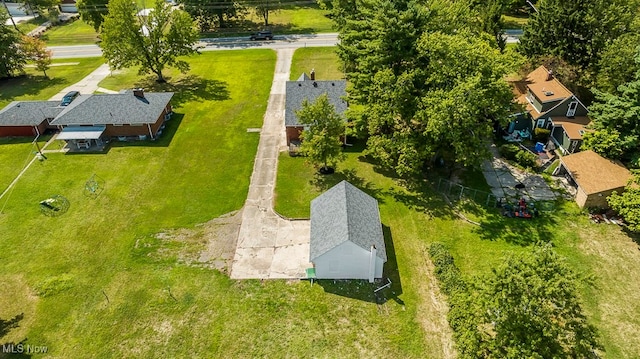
(571, 111)
(541, 122)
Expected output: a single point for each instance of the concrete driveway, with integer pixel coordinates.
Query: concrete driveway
(269, 246)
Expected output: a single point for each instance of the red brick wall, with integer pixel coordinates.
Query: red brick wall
(7, 131)
(293, 134)
(128, 130)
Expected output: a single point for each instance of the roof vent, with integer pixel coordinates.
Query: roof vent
(299, 85)
(315, 84)
(332, 84)
(548, 93)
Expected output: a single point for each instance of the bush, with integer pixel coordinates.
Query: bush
(509, 151)
(526, 159)
(541, 134)
(445, 269)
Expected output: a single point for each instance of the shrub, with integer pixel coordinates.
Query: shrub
(526, 159)
(445, 269)
(509, 151)
(541, 134)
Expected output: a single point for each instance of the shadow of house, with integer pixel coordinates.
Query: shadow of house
(365, 291)
(164, 140)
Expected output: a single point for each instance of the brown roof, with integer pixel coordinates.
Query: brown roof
(572, 126)
(544, 89)
(594, 173)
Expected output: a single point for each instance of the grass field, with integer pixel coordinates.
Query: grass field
(606, 259)
(34, 86)
(103, 280)
(322, 59)
(71, 33)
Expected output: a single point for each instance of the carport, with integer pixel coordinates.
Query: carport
(82, 136)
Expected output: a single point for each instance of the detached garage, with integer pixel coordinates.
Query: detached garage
(594, 176)
(346, 235)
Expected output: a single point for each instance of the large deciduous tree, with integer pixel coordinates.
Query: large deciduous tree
(321, 140)
(576, 31)
(210, 15)
(616, 122)
(93, 12)
(12, 58)
(151, 42)
(528, 308)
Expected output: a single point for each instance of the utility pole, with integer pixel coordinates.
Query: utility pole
(10, 16)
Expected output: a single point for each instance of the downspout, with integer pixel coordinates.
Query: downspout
(372, 263)
(150, 134)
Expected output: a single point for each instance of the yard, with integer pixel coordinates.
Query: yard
(108, 279)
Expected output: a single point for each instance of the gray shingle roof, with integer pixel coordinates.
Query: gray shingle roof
(28, 113)
(121, 108)
(305, 89)
(345, 213)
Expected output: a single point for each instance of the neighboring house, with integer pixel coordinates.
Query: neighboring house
(346, 235)
(594, 176)
(552, 106)
(27, 118)
(310, 89)
(127, 114)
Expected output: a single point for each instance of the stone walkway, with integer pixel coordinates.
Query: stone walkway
(269, 246)
(502, 177)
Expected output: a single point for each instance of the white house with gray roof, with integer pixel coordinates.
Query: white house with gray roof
(308, 88)
(346, 235)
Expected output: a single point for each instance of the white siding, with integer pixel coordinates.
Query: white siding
(346, 261)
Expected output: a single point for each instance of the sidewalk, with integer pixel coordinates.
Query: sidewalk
(269, 246)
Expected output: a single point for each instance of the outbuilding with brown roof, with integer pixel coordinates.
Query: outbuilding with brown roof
(596, 177)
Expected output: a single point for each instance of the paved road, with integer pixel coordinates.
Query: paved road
(241, 43)
(213, 44)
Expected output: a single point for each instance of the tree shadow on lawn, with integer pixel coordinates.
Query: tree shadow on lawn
(495, 226)
(324, 182)
(189, 88)
(11, 349)
(363, 290)
(26, 85)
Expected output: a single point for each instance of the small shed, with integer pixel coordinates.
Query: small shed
(346, 235)
(595, 177)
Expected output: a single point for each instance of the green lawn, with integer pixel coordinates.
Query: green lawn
(34, 86)
(103, 280)
(323, 59)
(71, 33)
(606, 259)
(515, 21)
(26, 26)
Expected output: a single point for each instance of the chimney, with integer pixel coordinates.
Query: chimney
(139, 92)
(549, 75)
(313, 74)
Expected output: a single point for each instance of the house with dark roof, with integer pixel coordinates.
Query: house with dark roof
(550, 105)
(347, 241)
(308, 88)
(594, 177)
(127, 114)
(27, 118)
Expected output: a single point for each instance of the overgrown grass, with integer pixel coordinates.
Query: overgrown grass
(70, 33)
(323, 59)
(606, 259)
(34, 86)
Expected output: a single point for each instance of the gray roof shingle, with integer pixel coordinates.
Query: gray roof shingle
(108, 109)
(345, 213)
(304, 88)
(28, 113)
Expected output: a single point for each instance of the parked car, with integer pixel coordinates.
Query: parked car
(69, 97)
(262, 35)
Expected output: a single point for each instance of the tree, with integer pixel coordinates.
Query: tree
(210, 15)
(93, 12)
(151, 42)
(12, 59)
(41, 6)
(36, 50)
(321, 141)
(627, 203)
(617, 65)
(616, 123)
(576, 31)
(528, 308)
(265, 7)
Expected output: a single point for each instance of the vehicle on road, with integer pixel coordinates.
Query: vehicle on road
(69, 97)
(262, 35)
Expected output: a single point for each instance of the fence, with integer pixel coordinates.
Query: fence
(456, 191)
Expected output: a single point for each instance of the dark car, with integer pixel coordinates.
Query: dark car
(66, 100)
(262, 35)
